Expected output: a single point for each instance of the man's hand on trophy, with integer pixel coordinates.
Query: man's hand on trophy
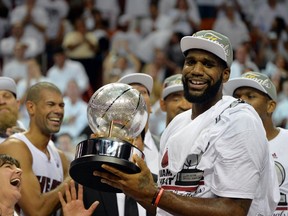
(140, 186)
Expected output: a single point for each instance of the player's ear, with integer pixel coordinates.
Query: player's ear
(30, 106)
(271, 106)
(226, 74)
(162, 105)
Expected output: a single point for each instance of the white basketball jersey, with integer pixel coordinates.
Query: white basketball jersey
(48, 172)
(279, 150)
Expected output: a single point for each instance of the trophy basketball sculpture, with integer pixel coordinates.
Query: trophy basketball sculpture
(116, 114)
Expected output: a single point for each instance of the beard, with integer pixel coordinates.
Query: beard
(208, 94)
(9, 120)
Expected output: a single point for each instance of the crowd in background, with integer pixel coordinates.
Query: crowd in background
(81, 45)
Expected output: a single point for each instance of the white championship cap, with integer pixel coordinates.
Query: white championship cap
(140, 78)
(210, 41)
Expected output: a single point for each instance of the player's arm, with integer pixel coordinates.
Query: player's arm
(32, 202)
(180, 205)
(142, 187)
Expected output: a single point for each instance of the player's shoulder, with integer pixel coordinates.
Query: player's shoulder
(15, 148)
(12, 142)
(241, 115)
(241, 109)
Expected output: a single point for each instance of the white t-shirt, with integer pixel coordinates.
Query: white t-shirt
(235, 164)
(72, 70)
(77, 110)
(39, 16)
(279, 150)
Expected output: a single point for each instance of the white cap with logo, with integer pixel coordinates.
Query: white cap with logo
(140, 78)
(210, 41)
(251, 79)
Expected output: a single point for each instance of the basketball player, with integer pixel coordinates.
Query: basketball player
(259, 91)
(45, 168)
(214, 158)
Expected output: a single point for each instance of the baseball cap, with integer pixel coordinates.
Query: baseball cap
(140, 78)
(172, 84)
(251, 79)
(210, 41)
(8, 84)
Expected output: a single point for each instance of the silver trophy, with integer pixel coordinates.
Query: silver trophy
(117, 114)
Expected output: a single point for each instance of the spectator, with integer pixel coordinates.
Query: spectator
(232, 26)
(115, 66)
(34, 75)
(155, 21)
(34, 20)
(166, 5)
(268, 50)
(75, 116)
(284, 91)
(173, 50)
(10, 180)
(110, 10)
(277, 70)
(186, 17)
(157, 39)
(9, 106)
(80, 43)
(125, 38)
(7, 44)
(137, 9)
(88, 8)
(242, 62)
(160, 68)
(101, 32)
(65, 70)
(11, 173)
(265, 14)
(65, 143)
(16, 68)
(57, 12)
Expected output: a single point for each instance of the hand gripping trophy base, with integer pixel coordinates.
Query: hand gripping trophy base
(92, 153)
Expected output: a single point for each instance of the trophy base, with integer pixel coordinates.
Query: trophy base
(92, 153)
(81, 170)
